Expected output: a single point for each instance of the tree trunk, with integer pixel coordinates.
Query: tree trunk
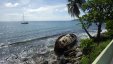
(85, 29)
(99, 32)
(87, 32)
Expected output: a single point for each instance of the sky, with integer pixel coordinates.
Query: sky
(34, 10)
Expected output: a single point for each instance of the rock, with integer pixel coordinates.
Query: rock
(54, 62)
(79, 54)
(63, 61)
(64, 43)
(78, 58)
(45, 62)
(67, 50)
(78, 49)
(70, 53)
(24, 59)
(77, 62)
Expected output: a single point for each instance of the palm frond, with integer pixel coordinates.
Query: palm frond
(73, 9)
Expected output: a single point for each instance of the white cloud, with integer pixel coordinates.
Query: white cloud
(41, 9)
(65, 9)
(57, 8)
(9, 4)
(24, 2)
(55, 12)
(47, 13)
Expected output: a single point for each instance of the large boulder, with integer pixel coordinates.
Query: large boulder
(65, 43)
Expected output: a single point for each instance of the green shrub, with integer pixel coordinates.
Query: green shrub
(87, 46)
(109, 27)
(98, 49)
(84, 60)
(85, 43)
(95, 50)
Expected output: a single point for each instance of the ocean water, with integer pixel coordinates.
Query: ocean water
(11, 32)
(24, 40)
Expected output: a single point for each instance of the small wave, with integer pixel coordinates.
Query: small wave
(104, 30)
(42, 50)
(33, 39)
(29, 41)
(3, 45)
(93, 33)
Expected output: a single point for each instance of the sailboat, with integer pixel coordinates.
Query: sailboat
(24, 22)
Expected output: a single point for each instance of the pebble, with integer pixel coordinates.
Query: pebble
(79, 54)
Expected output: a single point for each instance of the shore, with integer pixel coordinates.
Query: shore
(33, 55)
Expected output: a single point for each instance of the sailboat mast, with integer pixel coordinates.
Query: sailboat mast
(23, 16)
(24, 20)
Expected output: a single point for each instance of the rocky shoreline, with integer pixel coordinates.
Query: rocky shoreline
(47, 57)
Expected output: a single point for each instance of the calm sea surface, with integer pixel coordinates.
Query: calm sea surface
(11, 32)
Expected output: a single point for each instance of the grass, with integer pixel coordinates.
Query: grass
(91, 50)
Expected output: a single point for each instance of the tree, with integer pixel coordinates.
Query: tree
(109, 27)
(73, 10)
(98, 12)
